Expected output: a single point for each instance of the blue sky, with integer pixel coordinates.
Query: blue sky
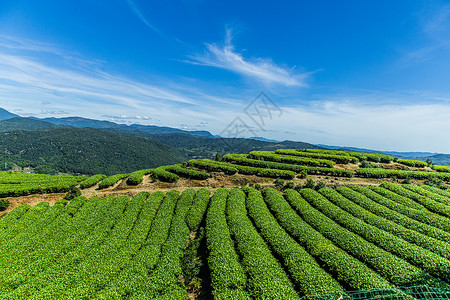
(355, 73)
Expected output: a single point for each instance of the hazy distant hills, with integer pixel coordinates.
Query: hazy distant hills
(79, 122)
(4, 114)
(437, 158)
(88, 146)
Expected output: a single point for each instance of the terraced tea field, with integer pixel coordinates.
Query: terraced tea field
(377, 241)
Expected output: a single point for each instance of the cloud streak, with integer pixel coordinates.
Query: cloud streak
(141, 17)
(262, 69)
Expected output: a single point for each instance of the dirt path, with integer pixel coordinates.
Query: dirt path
(216, 181)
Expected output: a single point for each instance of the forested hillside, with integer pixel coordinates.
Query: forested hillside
(84, 151)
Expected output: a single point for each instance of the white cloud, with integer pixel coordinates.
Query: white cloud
(351, 118)
(263, 69)
(402, 127)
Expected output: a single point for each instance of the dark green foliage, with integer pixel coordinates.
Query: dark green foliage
(3, 204)
(289, 185)
(190, 263)
(84, 151)
(73, 193)
(205, 147)
(309, 184)
(368, 165)
(218, 157)
(279, 183)
(19, 123)
(319, 185)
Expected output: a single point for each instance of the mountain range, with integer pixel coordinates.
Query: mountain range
(87, 146)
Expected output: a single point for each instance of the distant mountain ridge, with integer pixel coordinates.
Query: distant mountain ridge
(394, 153)
(4, 114)
(80, 122)
(436, 158)
(191, 144)
(19, 123)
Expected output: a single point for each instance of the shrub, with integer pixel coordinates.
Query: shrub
(320, 185)
(289, 185)
(279, 182)
(310, 184)
(73, 193)
(3, 204)
(367, 164)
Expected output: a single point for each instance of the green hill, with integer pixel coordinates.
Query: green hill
(84, 151)
(19, 123)
(203, 147)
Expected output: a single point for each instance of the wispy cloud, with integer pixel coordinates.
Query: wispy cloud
(417, 56)
(263, 69)
(71, 84)
(141, 16)
(439, 19)
(435, 30)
